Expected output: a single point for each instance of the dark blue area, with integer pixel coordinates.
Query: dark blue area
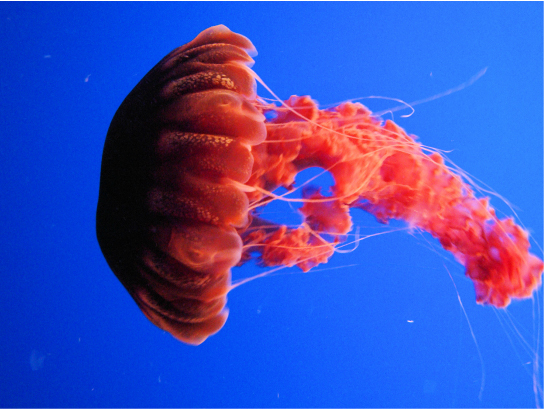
(380, 326)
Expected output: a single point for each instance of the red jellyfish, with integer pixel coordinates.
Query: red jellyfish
(190, 155)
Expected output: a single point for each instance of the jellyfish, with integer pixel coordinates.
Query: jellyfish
(193, 153)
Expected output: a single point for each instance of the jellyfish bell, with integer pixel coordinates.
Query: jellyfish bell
(168, 205)
(192, 153)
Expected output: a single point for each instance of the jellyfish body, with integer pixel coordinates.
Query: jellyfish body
(168, 208)
(190, 156)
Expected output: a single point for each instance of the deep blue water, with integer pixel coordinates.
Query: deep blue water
(340, 336)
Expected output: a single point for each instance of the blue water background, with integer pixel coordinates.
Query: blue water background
(380, 326)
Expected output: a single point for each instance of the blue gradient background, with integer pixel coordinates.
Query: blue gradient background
(334, 337)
